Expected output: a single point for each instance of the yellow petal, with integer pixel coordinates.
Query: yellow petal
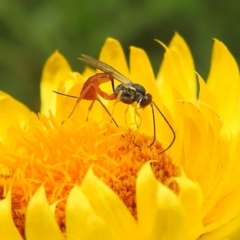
(8, 230)
(231, 230)
(54, 205)
(176, 74)
(188, 129)
(201, 125)
(109, 207)
(71, 85)
(88, 72)
(142, 73)
(176, 80)
(219, 216)
(217, 173)
(112, 54)
(54, 71)
(209, 107)
(190, 195)
(40, 220)
(81, 220)
(206, 96)
(179, 45)
(224, 79)
(159, 210)
(146, 201)
(12, 112)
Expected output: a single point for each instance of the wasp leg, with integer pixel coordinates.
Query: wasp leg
(90, 108)
(117, 97)
(89, 92)
(83, 93)
(108, 112)
(126, 115)
(136, 113)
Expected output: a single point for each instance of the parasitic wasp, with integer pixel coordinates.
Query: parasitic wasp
(127, 92)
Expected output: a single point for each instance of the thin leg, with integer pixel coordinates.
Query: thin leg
(126, 115)
(112, 81)
(90, 108)
(79, 99)
(90, 91)
(154, 127)
(136, 113)
(108, 112)
(113, 96)
(84, 92)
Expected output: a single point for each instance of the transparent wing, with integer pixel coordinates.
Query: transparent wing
(107, 69)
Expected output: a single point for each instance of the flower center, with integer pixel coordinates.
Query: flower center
(60, 155)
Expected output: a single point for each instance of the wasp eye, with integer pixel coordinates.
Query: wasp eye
(146, 100)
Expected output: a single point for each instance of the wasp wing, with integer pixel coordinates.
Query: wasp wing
(107, 69)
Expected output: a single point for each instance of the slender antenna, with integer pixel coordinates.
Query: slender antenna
(154, 127)
(63, 94)
(169, 125)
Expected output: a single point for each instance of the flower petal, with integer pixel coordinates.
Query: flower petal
(177, 73)
(224, 76)
(81, 220)
(40, 220)
(206, 96)
(231, 230)
(179, 44)
(71, 85)
(176, 80)
(7, 228)
(190, 195)
(147, 187)
(142, 73)
(209, 107)
(109, 207)
(159, 209)
(219, 217)
(54, 72)
(198, 123)
(12, 112)
(112, 54)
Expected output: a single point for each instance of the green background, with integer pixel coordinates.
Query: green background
(30, 31)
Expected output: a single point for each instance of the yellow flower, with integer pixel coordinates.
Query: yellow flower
(88, 180)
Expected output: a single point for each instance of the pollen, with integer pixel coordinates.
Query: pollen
(59, 155)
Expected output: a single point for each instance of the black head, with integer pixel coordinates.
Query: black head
(141, 97)
(145, 100)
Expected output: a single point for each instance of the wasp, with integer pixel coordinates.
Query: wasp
(127, 92)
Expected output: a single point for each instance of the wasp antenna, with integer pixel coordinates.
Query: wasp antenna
(154, 130)
(169, 125)
(63, 94)
(154, 127)
(67, 95)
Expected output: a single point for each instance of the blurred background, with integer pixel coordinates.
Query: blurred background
(30, 31)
